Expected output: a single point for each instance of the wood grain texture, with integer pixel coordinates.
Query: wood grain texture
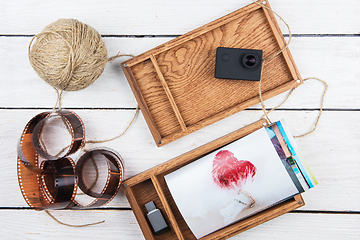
(157, 102)
(122, 224)
(176, 17)
(168, 93)
(140, 153)
(185, 66)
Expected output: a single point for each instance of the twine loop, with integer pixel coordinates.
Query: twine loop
(292, 90)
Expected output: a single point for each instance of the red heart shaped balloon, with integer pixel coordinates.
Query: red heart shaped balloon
(229, 172)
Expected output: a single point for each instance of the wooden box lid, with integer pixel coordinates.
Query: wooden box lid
(175, 86)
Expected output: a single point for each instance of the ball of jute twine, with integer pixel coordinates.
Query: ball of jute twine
(68, 54)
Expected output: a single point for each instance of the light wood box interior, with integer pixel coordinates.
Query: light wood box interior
(175, 86)
(151, 186)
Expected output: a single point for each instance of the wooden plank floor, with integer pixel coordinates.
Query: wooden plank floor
(325, 45)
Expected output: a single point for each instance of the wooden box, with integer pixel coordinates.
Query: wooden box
(174, 83)
(151, 186)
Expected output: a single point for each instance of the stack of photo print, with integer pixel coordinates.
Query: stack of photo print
(240, 179)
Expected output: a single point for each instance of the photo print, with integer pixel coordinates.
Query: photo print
(231, 183)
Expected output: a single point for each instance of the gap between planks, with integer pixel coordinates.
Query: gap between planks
(298, 211)
(294, 35)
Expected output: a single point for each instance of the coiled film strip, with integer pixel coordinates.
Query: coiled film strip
(53, 183)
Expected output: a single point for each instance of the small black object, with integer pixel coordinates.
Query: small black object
(237, 63)
(156, 219)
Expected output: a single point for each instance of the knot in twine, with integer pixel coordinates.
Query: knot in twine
(68, 55)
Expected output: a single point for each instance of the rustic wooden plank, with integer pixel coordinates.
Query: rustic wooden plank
(302, 226)
(323, 150)
(177, 17)
(311, 55)
(30, 224)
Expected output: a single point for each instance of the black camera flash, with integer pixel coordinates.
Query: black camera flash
(156, 219)
(239, 64)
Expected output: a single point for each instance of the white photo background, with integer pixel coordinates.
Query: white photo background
(207, 207)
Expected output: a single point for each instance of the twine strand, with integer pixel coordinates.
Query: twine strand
(58, 100)
(287, 97)
(321, 107)
(292, 90)
(271, 57)
(73, 225)
(120, 55)
(287, 25)
(121, 134)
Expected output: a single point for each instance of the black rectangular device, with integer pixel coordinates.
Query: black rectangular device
(239, 64)
(156, 219)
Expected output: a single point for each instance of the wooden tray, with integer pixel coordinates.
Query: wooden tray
(151, 186)
(174, 83)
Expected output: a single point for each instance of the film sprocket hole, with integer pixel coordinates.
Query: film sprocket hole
(237, 63)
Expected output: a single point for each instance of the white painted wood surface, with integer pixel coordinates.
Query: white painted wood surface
(326, 45)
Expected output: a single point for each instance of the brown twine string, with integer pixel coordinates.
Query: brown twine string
(58, 99)
(321, 107)
(292, 90)
(121, 55)
(121, 134)
(73, 225)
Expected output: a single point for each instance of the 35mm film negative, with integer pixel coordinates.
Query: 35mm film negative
(51, 182)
